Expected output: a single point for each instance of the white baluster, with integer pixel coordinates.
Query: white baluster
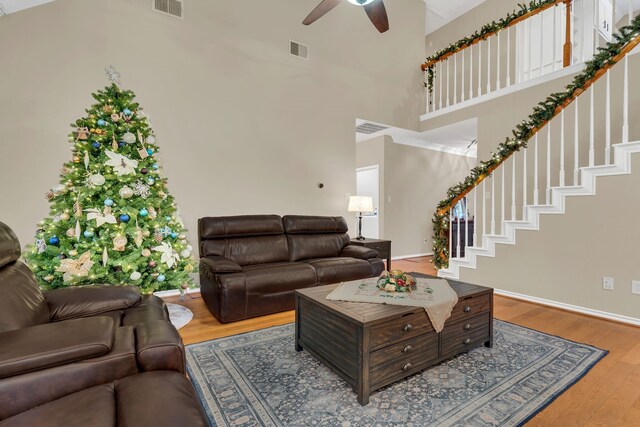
(480, 68)
(555, 38)
(484, 210)
(529, 70)
(541, 42)
(462, 94)
(466, 228)
(583, 30)
(513, 188)
(440, 78)
(458, 237)
(508, 56)
(524, 185)
(493, 203)
(521, 59)
(475, 215)
(592, 134)
(455, 78)
(471, 73)
(576, 148)
(562, 173)
(448, 81)
(450, 232)
(607, 136)
(536, 192)
(499, 54)
(503, 171)
(625, 102)
(548, 192)
(488, 64)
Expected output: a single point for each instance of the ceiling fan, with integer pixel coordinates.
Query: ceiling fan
(374, 8)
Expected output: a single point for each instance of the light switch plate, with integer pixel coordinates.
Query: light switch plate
(635, 287)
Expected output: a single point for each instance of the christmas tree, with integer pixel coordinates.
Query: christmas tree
(112, 220)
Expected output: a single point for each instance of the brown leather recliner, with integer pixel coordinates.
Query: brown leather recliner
(251, 265)
(64, 341)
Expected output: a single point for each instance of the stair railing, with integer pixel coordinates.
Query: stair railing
(490, 60)
(493, 195)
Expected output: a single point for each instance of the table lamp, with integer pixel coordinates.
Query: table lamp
(360, 204)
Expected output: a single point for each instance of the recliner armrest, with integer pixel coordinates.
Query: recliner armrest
(84, 301)
(219, 264)
(52, 344)
(159, 347)
(359, 252)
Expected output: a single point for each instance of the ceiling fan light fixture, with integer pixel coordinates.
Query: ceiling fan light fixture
(360, 2)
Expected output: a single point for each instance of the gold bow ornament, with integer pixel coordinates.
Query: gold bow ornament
(75, 267)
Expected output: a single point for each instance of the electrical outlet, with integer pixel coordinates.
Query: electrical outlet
(607, 283)
(635, 287)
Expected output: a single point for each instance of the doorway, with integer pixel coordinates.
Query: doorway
(368, 184)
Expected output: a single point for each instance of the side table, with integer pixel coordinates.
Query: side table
(383, 247)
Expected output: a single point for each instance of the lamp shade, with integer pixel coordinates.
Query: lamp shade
(360, 204)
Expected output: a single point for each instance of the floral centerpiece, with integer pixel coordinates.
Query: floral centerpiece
(396, 281)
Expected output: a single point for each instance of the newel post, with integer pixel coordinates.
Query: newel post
(566, 58)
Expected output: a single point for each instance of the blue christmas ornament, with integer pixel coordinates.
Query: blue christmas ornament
(174, 235)
(54, 240)
(108, 202)
(143, 212)
(150, 181)
(121, 144)
(150, 151)
(124, 218)
(155, 166)
(126, 112)
(161, 278)
(88, 233)
(101, 122)
(95, 145)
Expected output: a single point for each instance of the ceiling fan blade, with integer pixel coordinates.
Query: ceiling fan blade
(320, 10)
(378, 15)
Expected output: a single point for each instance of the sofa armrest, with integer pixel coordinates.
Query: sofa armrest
(219, 264)
(52, 344)
(359, 252)
(159, 347)
(84, 301)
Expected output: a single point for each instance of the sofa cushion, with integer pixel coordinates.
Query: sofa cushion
(218, 264)
(239, 226)
(92, 407)
(249, 250)
(21, 302)
(52, 344)
(85, 301)
(301, 224)
(9, 245)
(335, 270)
(359, 252)
(309, 246)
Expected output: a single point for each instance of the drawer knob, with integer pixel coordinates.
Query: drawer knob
(467, 326)
(408, 327)
(407, 366)
(467, 308)
(467, 341)
(407, 348)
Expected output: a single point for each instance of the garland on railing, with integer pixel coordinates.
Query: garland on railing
(541, 115)
(483, 33)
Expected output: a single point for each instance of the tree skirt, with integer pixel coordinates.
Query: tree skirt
(258, 379)
(179, 315)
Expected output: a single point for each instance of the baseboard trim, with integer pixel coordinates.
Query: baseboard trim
(395, 258)
(573, 308)
(173, 292)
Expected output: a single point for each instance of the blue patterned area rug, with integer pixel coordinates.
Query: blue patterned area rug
(258, 379)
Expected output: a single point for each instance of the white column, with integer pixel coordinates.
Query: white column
(554, 38)
(607, 136)
(455, 78)
(503, 171)
(541, 42)
(484, 210)
(499, 55)
(471, 73)
(524, 184)
(448, 81)
(480, 68)
(488, 64)
(513, 188)
(450, 232)
(458, 238)
(548, 189)
(592, 134)
(576, 147)
(440, 78)
(508, 56)
(475, 215)
(493, 203)
(462, 94)
(562, 173)
(625, 101)
(536, 192)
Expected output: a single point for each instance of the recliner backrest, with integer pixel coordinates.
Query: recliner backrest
(246, 239)
(315, 236)
(21, 301)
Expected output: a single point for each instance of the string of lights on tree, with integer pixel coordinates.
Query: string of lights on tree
(112, 220)
(623, 41)
(481, 34)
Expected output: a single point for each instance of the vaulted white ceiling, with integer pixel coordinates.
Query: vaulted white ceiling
(10, 6)
(441, 12)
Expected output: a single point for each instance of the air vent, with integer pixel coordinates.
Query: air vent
(369, 128)
(170, 7)
(299, 50)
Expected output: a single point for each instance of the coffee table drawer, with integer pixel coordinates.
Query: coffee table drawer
(403, 366)
(470, 307)
(414, 346)
(408, 326)
(463, 335)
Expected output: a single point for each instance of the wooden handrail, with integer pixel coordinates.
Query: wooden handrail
(598, 74)
(567, 44)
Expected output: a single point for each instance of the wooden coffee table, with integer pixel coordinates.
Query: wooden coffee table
(373, 345)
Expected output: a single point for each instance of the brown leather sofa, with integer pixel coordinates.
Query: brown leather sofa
(65, 353)
(251, 265)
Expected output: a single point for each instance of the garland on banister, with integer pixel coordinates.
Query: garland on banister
(486, 29)
(542, 113)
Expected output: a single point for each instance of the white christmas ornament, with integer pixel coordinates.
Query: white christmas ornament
(151, 139)
(121, 165)
(105, 257)
(126, 192)
(97, 179)
(129, 138)
(101, 217)
(185, 253)
(135, 275)
(59, 189)
(169, 255)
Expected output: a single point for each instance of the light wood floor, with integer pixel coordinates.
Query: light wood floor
(608, 396)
